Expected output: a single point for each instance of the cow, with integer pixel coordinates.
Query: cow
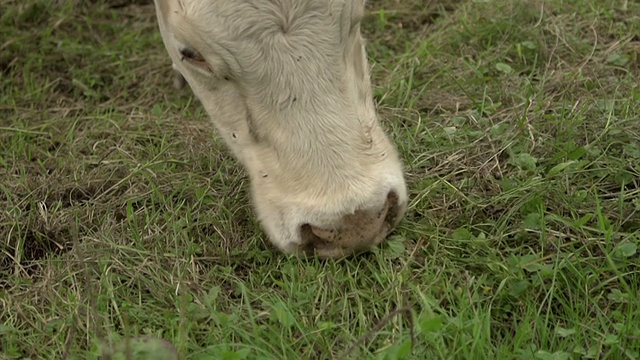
(286, 84)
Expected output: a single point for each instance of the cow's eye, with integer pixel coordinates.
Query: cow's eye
(195, 58)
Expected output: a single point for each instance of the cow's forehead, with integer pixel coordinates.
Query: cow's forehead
(284, 49)
(256, 20)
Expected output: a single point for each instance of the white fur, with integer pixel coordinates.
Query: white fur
(286, 83)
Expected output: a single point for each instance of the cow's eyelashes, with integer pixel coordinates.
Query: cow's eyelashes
(193, 57)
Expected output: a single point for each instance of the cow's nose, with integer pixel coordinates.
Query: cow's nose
(353, 233)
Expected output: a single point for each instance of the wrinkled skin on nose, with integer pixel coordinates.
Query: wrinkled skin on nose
(354, 234)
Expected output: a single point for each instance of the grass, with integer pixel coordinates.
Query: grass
(123, 217)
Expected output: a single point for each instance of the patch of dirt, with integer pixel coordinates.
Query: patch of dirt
(389, 22)
(40, 242)
(43, 216)
(117, 4)
(113, 4)
(79, 58)
(412, 15)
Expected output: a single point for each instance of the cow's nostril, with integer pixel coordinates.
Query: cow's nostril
(353, 233)
(395, 211)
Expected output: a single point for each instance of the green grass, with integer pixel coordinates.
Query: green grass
(123, 216)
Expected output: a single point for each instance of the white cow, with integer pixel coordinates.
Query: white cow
(286, 83)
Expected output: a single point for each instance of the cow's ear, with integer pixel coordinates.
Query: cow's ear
(350, 18)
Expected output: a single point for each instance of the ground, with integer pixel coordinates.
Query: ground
(123, 217)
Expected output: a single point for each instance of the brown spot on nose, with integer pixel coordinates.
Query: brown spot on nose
(354, 233)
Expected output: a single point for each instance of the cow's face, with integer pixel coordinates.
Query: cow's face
(286, 82)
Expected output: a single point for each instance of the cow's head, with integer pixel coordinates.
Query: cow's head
(286, 83)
